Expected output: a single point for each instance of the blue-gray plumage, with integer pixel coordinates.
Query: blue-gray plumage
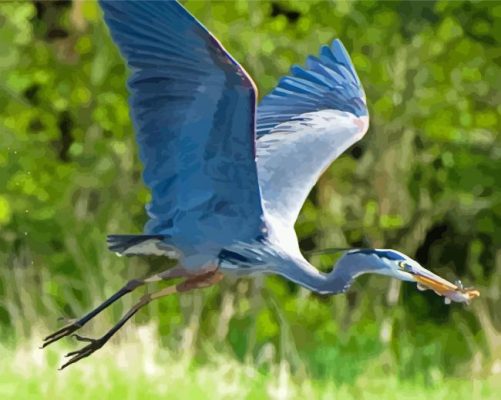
(227, 182)
(193, 110)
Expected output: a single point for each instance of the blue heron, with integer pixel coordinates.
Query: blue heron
(228, 179)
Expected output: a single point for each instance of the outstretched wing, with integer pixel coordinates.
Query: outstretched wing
(193, 110)
(303, 125)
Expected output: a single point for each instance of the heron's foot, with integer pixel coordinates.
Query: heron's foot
(86, 351)
(63, 332)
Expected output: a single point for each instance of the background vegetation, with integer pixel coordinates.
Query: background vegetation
(425, 180)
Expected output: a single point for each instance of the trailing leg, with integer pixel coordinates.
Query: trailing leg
(68, 329)
(196, 282)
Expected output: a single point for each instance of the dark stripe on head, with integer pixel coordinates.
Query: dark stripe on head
(389, 254)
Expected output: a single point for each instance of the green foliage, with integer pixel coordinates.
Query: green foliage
(424, 180)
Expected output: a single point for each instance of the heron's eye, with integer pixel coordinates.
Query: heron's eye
(404, 266)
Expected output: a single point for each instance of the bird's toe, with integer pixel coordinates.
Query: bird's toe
(59, 334)
(86, 351)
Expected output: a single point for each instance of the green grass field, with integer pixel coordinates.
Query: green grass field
(140, 370)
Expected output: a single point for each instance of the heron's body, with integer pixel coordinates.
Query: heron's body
(227, 178)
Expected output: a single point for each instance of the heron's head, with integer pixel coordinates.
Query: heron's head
(398, 265)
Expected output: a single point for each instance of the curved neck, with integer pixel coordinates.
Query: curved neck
(348, 267)
(304, 274)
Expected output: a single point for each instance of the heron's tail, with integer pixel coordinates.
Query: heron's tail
(141, 245)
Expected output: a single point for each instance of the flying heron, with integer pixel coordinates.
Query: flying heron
(228, 179)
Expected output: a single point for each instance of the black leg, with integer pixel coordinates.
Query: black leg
(73, 326)
(175, 272)
(195, 282)
(95, 344)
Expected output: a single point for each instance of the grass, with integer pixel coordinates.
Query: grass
(140, 370)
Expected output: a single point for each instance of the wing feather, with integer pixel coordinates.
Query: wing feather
(303, 125)
(193, 110)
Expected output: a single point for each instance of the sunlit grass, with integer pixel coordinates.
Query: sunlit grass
(141, 370)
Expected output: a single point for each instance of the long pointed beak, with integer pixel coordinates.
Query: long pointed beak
(435, 283)
(442, 287)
